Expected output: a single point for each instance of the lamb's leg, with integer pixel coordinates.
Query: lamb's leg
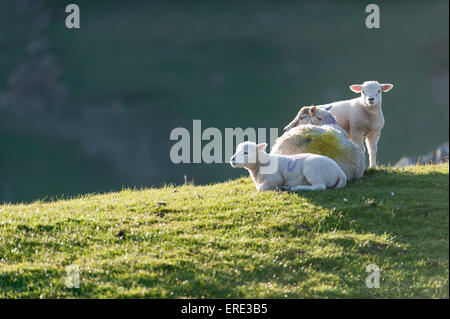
(314, 187)
(358, 138)
(372, 146)
(266, 186)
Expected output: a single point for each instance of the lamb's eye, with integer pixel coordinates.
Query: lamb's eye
(379, 91)
(245, 153)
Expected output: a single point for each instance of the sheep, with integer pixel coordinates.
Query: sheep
(362, 117)
(311, 115)
(313, 131)
(293, 173)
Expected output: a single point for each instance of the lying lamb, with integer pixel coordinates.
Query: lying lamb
(299, 172)
(314, 131)
(362, 117)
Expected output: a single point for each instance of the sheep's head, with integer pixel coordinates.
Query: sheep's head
(311, 115)
(248, 154)
(371, 91)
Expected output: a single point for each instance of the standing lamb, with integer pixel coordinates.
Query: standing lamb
(298, 172)
(315, 131)
(362, 117)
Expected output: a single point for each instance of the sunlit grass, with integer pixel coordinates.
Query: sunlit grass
(227, 240)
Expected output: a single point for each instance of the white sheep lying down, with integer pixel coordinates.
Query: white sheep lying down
(298, 172)
(313, 131)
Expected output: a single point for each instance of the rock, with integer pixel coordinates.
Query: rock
(440, 155)
(406, 161)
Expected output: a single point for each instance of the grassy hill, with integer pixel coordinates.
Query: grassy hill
(91, 120)
(227, 240)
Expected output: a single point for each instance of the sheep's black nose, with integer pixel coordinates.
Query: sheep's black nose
(371, 99)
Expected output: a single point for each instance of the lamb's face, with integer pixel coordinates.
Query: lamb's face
(311, 115)
(371, 91)
(246, 154)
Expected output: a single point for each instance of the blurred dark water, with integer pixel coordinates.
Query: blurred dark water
(91, 110)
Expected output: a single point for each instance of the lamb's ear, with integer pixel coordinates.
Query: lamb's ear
(313, 110)
(357, 88)
(262, 146)
(386, 87)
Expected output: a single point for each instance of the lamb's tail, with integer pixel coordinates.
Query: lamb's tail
(342, 180)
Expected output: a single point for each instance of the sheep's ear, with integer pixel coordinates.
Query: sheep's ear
(356, 88)
(386, 87)
(313, 110)
(262, 146)
(303, 109)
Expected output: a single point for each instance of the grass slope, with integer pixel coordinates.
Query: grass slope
(227, 240)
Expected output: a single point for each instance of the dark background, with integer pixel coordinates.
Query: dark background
(91, 109)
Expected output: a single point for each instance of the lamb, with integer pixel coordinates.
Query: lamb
(362, 117)
(311, 115)
(294, 173)
(313, 130)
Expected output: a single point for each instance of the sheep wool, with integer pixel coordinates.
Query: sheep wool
(326, 140)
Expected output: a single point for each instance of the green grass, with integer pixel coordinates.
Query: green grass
(228, 240)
